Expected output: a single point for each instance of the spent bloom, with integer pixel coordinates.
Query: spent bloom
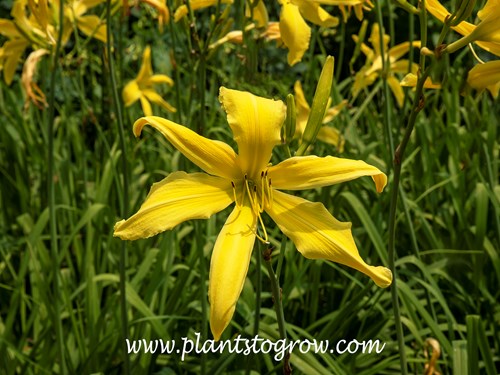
(249, 180)
(373, 66)
(142, 87)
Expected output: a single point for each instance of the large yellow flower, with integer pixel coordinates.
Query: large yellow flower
(248, 180)
(373, 67)
(142, 87)
(486, 34)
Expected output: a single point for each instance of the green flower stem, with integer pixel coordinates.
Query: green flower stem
(385, 86)
(258, 290)
(203, 276)
(125, 209)
(397, 163)
(51, 200)
(278, 305)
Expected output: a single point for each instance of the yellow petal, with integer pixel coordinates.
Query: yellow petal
(92, 26)
(229, 266)
(396, 52)
(214, 157)
(488, 30)
(333, 112)
(9, 29)
(331, 136)
(131, 93)
(13, 50)
(491, 6)
(256, 124)
(157, 99)
(175, 199)
(257, 13)
(303, 109)
(376, 42)
(410, 80)
(464, 28)
(146, 70)
(403, 66)
(306, 172)
(485, 76)
(146, 106)
(318, 235)
(180, 13)
(294, 32)
(339, 2)
(396, 89)
(315, 14)
(161, 78)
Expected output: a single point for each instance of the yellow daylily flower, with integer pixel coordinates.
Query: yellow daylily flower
(294, 30)
(182, 11)
(142, 87)
(90, 25)
(271, 33)
(326, 134)
(373, 67)
(358, 7)
(465, 28)
(245, 179)
(28, 27)
(161, 7)
(485, 76)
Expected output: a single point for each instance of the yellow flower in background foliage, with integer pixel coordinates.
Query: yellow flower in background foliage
(29, 27)
(248, 180)
(90, 25)
(373, 67)
(295, 33)
(326, 134)
(182, 11)
(142, 87)
(488, 35)
(485, 76)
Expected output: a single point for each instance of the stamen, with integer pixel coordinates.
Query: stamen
(271, 197)
(252, 202)
(264, 230)
(234, 194)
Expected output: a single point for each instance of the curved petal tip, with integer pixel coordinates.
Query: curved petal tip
(381, 276)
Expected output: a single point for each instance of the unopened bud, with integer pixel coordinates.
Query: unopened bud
(319, 105)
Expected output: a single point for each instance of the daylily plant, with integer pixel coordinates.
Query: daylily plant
(247, 179)
(373, 67)
(142, 87)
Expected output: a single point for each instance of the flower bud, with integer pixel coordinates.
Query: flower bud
(319, 105)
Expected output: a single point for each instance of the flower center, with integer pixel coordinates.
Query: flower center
(259, 194)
